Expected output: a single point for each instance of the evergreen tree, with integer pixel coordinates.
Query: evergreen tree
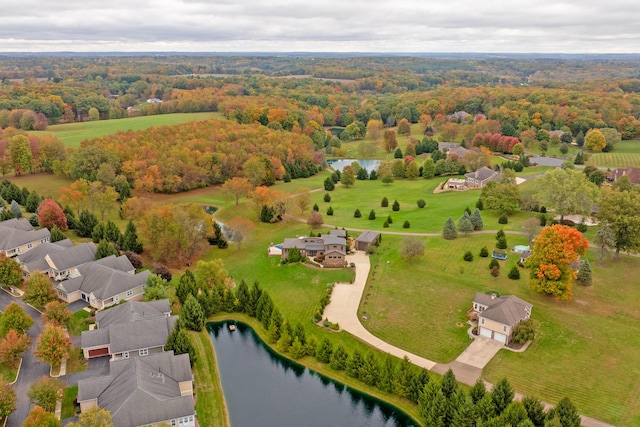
(316, 207)
(370, 370)
(130, 239)
(514, 273)
(273, 332)
(449, 232)
(56, 235)
(284, 343)
(338, 358)
(105, 249)
(32, 203)
(502, 243)
(311, 345)
(192, 316)
(243, 297)
(502, 395)
(228, 301)
(485, 408)
(210, 301)
(372, 215)
(297, 350)
(112, 233)
(264, 309)
(254, 297)
(432, 406)
(385, 380)
(186, 286)
(449, 384)
(373, 176)
(403, 379)
(85, 224)
(417, 383)
(398, 154)
(514, 414)
(352, 367)
(324, 350)
(464, 415)
(535, 410)
(327, 197)
(362, 174)
(385, 202)
(484, 252)
(330, 211)
(15, 209)
(476, 220)
(357, 213)
(464, 224)
(329, 184)
(299, 332)
(180, 343)
(478, 391)
(396, 206)
(566, 413)
(98, 233)
(585, 274)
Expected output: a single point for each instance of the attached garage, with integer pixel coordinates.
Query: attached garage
(500, 337)
(97, 352)
(484, 332)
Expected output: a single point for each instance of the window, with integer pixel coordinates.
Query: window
(29, 245)
(173, 423)
(143, 351)
(475, 306)
(504, 329)
(116, 298)
(125, 354)
(483, 321)
(130, 293)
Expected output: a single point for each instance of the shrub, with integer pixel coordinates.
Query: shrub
(396, 206)
(495, 271)
(503, 219)
(385, 202)
(523, 332)
(357, 214)
(479, 204)
(372, 215)
(468, 256)
(389, 219)
(371, 249)
(421, 203)
(514, 273)
(543, 220)
(315, 207)
(162, 271)
(330, 211)
(134, 259)
(493, 263)
(581, 227)
(484, 252)
(406, 224)
(501, 243)
(327, 197)
(386, 224)
(543, 209)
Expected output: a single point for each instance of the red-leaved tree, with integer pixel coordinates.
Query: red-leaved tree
(50, 215)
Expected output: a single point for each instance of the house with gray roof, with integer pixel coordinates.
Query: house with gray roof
(64, 264)
(132, 311)
(453, 148)
(34, 259)
(481, 177)
(143, 391)
(330, 248)
(17, 236)
(498, 315)
(102, 285)
(365, 239)
(145, 333)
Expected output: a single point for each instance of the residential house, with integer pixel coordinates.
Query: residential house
(459, 116)
(481, 177)
(330, 247)
(453, 148)
(18, 236)
(143, 391)
(365, 239)
(64, 264)
(130, 330)
(34, 260)
(102, 285)
(498, 316)
(632, 173)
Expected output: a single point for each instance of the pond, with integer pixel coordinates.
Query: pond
(262, 388)
(368, 164)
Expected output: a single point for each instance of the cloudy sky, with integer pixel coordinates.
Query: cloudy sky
(569, 26)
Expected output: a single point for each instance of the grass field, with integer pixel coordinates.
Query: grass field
(626, 154)
(68, 408)
(72, 134)
(585, 345)
(210, 405)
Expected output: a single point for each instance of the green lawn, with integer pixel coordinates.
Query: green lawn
(72, 134)
(587, 344)
(625, 154)
(210, 405)
(68, 407)
(76, 361)
(45, 184)
(77, 324)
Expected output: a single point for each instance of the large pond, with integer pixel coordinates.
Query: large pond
(367, 164)
(264, 389)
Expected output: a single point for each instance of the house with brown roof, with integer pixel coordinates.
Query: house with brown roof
(331, 248)
(17, 236)
(632, 173)
(143, 391)
(481, 177)
(498, 315)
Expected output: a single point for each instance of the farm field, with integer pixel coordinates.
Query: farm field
(592, 340)
(72, 134)
(626, 154)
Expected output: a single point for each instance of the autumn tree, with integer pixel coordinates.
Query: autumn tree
(46, 392)
(12, 345)
(93, 417)
(21, 156)
(50, 215)
(38, 417)
(53, 345)
(554, 251)
(239, 229)
(504, 197)
(303, 200)
(620, 210)
(390, 141)
(211, 274)
(531, 226)
(57, 313)
(595, 141)
(10, 272)
(374, 129)
(348, 177)
(411, 247)
(76, 195)
(39, 290)
(8, 399)
(15, 318)
(567, 191)
(237, 187)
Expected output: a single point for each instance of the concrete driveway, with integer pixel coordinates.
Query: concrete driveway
(480, 352)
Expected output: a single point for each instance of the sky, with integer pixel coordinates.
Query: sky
(501, 26)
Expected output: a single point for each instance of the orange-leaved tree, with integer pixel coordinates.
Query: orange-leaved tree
(554, 250)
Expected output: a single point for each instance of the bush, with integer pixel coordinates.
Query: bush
(386, 224)
(582, 227)
(484, 252)
(543, 220)
(371, 249)
(316, 208)
(501, 243)
(523, 332)
(406, 224)
(494, 263)
(357, 214)
(162, 271)
(327, 197)
(372, 215)
(134, 259)
(503, 219)
(543, 209)
(389, 219)
(468, 256)
(421, 203)
(385, 202)
(396, 206)
(330, 211)
(495, 271)
(514, 273)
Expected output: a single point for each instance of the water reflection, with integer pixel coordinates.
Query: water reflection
(257, 392)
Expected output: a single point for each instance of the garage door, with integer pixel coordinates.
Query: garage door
(500, 337)
(97, 352)
(484, 332)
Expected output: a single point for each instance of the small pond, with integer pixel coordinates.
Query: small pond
(368, 164)
(263, 389)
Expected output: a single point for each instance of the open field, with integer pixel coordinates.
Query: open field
(72, 134)
(626, 154)
(592, 341)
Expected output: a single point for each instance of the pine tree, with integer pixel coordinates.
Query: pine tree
(464, 224)
(485, 408)
(396, 206)
(385, 202)
(186, 286)
(385, 380)
(372, 215)
(352, 367)
(130, 239)
(284, 343)
(338, 358)
(56, 235)
(478, 391)
(330, 211)
(98, 233)
(403, 379)
(502, 395)
(585, 274)
(85, 223)
(112, 233)
(297, 349)
(476, 220)
(417, 382)
(15, 209)
(449, 232)
(357, 213)
(514, 414)
(105, 249)
(180, 343)
(370, 370)
(514, 273)
(324, 350)
(254, 297)
(433, 406)
(243, 297)
(566, 413)
(32, 203)
(535, 410)
(327, 197)
(192, 316)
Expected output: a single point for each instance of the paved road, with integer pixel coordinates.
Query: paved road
(32, 369)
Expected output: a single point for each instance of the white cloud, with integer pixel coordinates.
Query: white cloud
(292, 25)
